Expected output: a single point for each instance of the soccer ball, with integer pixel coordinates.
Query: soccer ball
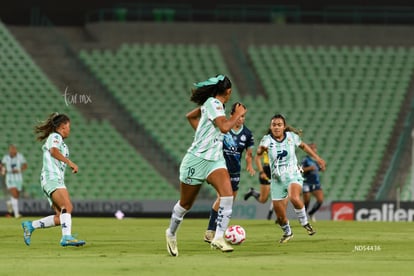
(235, 234)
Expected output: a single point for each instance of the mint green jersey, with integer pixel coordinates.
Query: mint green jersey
(14, 163)
(282, 154)
(208, 139)
(54, 169)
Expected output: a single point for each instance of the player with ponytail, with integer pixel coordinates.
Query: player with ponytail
(55, 129)
(204, 161)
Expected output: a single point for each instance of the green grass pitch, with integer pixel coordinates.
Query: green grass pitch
(137, 247)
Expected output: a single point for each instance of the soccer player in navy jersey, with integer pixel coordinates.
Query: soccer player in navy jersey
(311, 183)
(236, 141)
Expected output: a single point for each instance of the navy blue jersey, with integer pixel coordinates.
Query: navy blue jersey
(311, 177)
(234, 144)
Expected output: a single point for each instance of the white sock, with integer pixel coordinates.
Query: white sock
(45, 222)
(286, 229)
(177, 217)
(301, 213)
(224, 215)
(15, 206)
(66, 223)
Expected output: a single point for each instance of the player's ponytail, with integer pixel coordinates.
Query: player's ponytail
(50, 125)
(210, 88)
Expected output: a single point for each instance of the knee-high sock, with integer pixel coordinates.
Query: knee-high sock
(212, 223)
(286, 229)
(177, 217)
(45, 222)
(66, 224)
(15, 206)
(301, 213)
(315, 208)
(224, 215)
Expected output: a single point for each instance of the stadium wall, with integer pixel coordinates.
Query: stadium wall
(153, 208)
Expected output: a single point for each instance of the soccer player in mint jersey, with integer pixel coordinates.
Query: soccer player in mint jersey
(14, 164)
(286, 176)
(236, 141)
(311, 183)
(204, 159)
(52, 178)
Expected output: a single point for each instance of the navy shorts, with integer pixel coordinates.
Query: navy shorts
(235, 180)
(308, 188)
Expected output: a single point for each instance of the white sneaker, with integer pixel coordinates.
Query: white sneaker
(209, 235)
(313, 218)
(171, 244)
(221, 244)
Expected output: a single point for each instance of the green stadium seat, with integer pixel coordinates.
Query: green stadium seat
(354, 82)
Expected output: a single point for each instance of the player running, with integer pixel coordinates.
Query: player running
(286, 179)
(204, 159)
(55, 159)
(312, 183)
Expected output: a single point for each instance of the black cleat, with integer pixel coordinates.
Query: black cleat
(309, 229)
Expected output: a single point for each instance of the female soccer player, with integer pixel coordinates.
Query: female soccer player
(237, 140)
(14, 166)
(311, 183)
(55, 159)
(286, 179)
(204, 159)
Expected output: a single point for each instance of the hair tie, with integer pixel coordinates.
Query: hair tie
(210, 81)
(54, 120)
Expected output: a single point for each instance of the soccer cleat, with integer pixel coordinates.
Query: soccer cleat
(221, 244)
(27, 231)
(248, 194)
(309, 229)
(286, 238)
(313, 218)
(69, 240)
(171, 244)
(209, 235)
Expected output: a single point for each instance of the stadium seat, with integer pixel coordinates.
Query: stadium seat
(337, 92)
(94, 180)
